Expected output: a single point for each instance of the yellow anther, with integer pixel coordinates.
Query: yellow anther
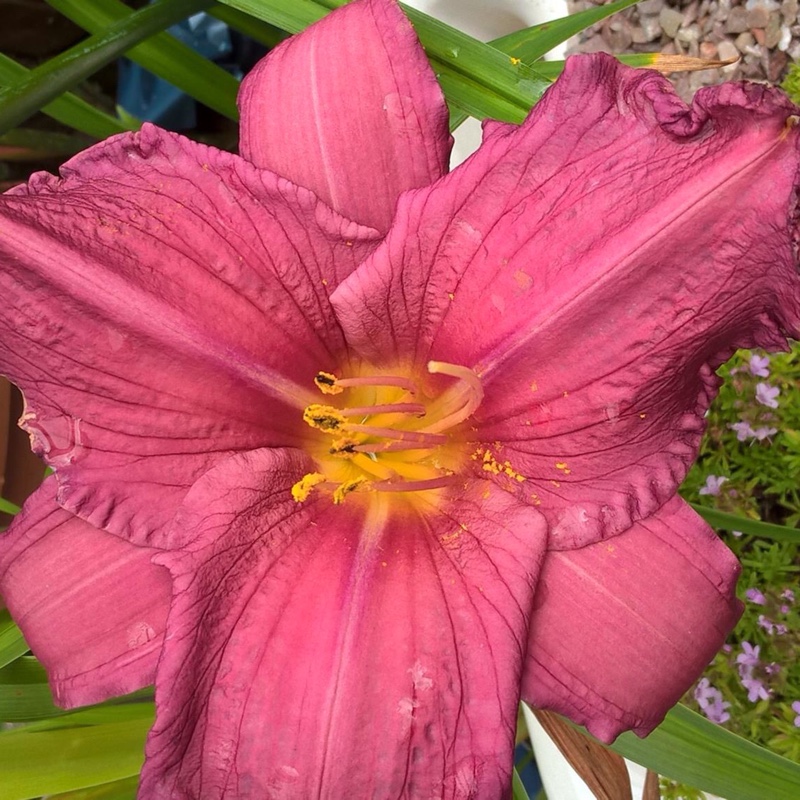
(325, 418)
(326, 383)
(302, 489)
(344, 489)
(343, 448)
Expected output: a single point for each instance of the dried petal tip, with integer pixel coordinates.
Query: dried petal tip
(666, 64)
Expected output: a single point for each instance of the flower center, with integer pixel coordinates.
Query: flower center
(388, 435)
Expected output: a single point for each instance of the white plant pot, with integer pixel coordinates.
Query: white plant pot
(560, 780)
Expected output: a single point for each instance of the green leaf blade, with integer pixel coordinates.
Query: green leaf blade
(51, 79)
(68, 109)
(162, 55)
(695, 751)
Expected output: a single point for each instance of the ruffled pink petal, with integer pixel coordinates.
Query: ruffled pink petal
(623, 628)
(92, 607)
(595, 266)
(351, 109)
(164, 304)
(341, 651)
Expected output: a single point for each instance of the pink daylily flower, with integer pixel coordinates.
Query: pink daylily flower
(392, 447)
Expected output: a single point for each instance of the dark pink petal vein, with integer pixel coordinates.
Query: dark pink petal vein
(165, 304)
(594, 266)
(335, 651)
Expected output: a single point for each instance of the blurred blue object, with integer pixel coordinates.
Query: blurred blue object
(529, 774)
(149, 97)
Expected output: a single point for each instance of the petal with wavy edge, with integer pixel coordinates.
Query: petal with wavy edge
(621, 629)
(164, 303)
(594, 266)
(350, 109)
(340, 651)
(92, 607)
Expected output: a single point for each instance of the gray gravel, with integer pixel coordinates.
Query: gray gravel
(764, 34)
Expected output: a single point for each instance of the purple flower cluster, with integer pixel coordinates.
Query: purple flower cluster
(756, 596)
(748, 661)
(772, 627)
(765, 395)
(744, 431)
(709, 698)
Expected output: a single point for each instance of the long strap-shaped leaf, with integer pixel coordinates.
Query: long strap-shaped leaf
(53, 78)
(67, 109)
(697, 752)
(163, 55)
(532, 43)
(734, 522)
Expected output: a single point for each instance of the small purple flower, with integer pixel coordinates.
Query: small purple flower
(716, 711)
(755, 689)
(759, 366)
(766, 395)
(713, 485)
(772, 627)
(796, 709)
(710, 701)
(755, 596)
(743, 430)
(773, 668)
(763, 432)
(788, 594)
(705, 693)
(785, 609)
(767, 624)
(749, 655)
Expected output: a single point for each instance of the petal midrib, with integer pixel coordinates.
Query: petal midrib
(135, 308)
(651, 229)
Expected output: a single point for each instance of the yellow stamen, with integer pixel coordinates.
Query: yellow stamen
(325, 418)
(344, 489)
(391, 437)
(327, 383)
(302, 489)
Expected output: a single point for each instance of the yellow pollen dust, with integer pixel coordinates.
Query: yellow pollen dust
(492, 465)
(391, 433)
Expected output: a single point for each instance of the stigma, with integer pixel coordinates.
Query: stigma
(386, 433)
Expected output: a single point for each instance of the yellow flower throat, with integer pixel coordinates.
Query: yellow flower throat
(389, 436)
